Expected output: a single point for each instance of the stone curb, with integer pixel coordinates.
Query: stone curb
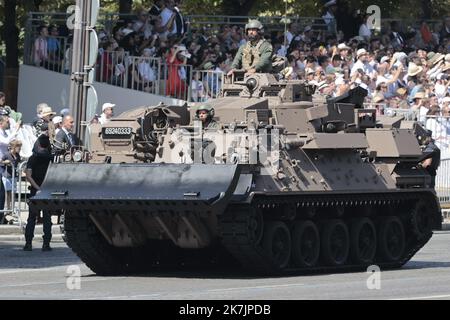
(17, 230)
(21, 238)
(15, 233)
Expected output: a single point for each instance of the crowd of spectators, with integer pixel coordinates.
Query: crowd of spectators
(401, 67)
(22, 141)
(132, 46)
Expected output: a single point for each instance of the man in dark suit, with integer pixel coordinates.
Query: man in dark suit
(65, 139)
(181, 23)
(37, 166)
(397, 39)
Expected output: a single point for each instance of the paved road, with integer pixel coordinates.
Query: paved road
(39, 275)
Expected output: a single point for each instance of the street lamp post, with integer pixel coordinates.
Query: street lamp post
(83, 98)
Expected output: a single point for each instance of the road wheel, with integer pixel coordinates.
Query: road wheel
(335, 243)
(305, 244)
(363, 241)
(255, 226)
(421, 219)
(277, 244)
(391, 239)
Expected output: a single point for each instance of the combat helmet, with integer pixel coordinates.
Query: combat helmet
(254, 24)
(205, 107)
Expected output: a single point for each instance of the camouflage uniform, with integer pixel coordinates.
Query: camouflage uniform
(255, 54)
(211, 124)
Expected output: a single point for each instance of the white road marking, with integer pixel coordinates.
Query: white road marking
(425, 297)
(258, 287)
(171, 295)
(12, 271)
(51, 283)
(122, 297)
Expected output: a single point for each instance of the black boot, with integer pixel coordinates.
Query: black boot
(28, 247)
(46, 247)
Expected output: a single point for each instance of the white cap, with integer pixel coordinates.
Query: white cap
(361, 52)
(384, 59)
(126, 31)
(330, 3)
(186, 54)
(343, 46)
(107, 105)
(57, 119)
(400, 56)
(183, 51)
(147, 51)
(307, 28)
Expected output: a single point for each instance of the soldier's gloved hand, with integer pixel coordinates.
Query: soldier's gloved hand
(230, 73)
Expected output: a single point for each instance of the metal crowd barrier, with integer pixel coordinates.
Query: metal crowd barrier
(409, 115)
(56, 54)
(440, 125)
(443, 183)
(206, 84)
(112, 68)
(144, 74)
(175, 81)
(19, 192)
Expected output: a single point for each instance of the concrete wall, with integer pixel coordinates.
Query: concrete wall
(38, 85)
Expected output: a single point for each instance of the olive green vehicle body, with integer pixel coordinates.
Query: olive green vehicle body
(290, 182)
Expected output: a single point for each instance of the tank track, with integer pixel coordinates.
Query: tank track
(238, 235)
(83, 237)
(90, 246)
(241, 239)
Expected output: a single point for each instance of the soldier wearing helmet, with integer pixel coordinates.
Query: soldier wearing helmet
(256, 54)
(205, 113)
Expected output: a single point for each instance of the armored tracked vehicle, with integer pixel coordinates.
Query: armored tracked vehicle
(290, 181)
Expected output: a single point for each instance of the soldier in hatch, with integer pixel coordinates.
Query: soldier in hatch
(256, 55)
(205, 114)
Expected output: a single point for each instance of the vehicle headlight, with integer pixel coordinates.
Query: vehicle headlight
(77, 156)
